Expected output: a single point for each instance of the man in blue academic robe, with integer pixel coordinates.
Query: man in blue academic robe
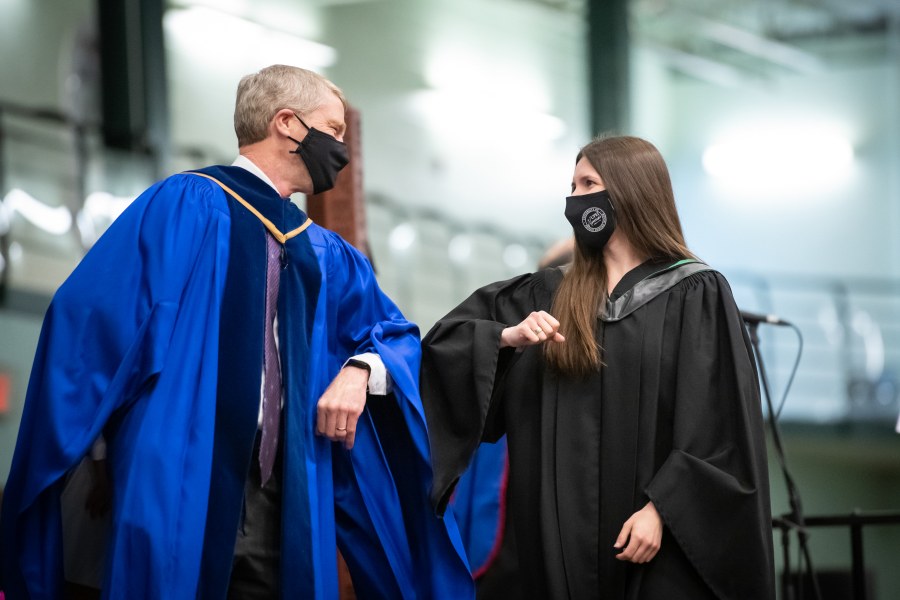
(156, 344)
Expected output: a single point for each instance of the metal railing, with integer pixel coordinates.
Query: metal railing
(792, 588)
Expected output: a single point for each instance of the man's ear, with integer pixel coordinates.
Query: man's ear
(281, 122)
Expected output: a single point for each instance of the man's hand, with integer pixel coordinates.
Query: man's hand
(537, 328)
(340, 406)
(643, 532)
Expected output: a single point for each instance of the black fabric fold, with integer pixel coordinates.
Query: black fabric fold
(674, 417)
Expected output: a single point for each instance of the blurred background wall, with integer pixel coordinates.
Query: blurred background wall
(778, 118)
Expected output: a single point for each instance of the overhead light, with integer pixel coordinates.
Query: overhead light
(52, 219)
(402, 237)
(445, 110)
(211, 34)
(510, 98)
(456, 67)
(789, 158)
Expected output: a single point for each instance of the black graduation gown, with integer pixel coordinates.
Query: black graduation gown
(674, 417)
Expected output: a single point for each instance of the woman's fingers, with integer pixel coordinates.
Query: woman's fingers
(543, 325)
(643, 532)
(538, 327)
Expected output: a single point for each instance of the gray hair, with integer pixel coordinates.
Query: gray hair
(260, 95)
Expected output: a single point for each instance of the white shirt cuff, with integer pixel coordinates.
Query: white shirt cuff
(380, 383)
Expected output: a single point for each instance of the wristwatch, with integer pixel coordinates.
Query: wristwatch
(361, 364)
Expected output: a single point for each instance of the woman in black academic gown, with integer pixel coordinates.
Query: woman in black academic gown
(628, 393)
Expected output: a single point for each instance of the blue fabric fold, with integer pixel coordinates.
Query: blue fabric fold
(152, 340)
(118, 354)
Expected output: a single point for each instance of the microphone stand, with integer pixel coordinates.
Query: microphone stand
(796, 521)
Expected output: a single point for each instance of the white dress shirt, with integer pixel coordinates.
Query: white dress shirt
(379, 379)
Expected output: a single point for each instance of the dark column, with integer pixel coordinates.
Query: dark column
(133, 76)
(608, 64)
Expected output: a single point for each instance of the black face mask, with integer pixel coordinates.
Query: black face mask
(323, 155)
(593, 218)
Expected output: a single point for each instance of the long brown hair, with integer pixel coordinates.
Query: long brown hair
(638, 182)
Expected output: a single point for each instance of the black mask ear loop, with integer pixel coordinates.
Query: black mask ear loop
(297, 150)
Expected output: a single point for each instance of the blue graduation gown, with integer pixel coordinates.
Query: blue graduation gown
(155, 340)
(479, 505)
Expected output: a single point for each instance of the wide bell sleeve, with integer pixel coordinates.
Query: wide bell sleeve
(712, 489)
(104, 341)
(392, 540)
(463, 367)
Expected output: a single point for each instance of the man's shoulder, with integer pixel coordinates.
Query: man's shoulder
(192, 190)
(334, 250)
(326, 238)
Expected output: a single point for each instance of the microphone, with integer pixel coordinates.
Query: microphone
(756, 318)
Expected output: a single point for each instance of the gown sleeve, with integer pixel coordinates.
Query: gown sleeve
(104, 338)
(386, 529)
(463, 368)
(712, 489)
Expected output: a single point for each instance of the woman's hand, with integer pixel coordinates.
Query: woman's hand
(537, 328)
(643, 532)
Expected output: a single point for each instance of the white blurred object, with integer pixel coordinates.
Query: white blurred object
(56, 220)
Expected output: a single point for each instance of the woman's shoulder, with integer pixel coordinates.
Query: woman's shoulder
(704, 275)
(524, 292)
(539, 282)
(548, 279)
(707, 287)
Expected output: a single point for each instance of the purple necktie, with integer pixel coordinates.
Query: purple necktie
(271, 404)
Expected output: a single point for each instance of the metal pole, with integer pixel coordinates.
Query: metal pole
(787, 586)
(608, 64)
(858, 562)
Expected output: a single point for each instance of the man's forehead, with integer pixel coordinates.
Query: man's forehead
(331, 111)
